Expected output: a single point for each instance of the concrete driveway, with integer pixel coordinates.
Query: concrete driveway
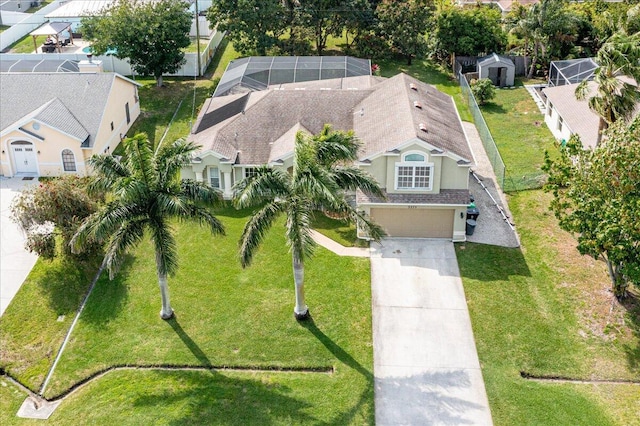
(426, 366)
(15, 261)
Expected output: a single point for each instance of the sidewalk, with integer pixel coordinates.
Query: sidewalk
(15, 261)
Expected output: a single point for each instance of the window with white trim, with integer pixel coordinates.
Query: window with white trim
(214, 177)
(560, 122)
(68, 161)
(414, 172)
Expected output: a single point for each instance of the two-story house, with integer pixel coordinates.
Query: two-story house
(412, 140)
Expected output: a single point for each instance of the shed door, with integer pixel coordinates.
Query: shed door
(416, 223)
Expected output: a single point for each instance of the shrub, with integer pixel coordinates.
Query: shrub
(483, 90)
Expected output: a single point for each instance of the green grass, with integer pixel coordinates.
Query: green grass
(37, 8)
(338, 230)
(4, 28)
(520, 133)
(25, 44)
(35, 323)
(226, 316)
(532, 310)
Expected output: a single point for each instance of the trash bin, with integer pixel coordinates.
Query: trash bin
(473, 213)
(471, 226)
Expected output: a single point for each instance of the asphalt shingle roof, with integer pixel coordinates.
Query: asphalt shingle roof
(76, 101)
(383, 116)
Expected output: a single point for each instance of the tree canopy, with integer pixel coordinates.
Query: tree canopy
(152, 35)
(403, 24)
(597, 198)
(469, 32)
(252, 25)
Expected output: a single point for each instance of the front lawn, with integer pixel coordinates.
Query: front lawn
(226, 316)
(547, 311)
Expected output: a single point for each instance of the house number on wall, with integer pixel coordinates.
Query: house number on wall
(412, 207)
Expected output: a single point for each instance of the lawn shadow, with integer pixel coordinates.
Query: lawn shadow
(366, 396)
(66, 283)
(488, 263)
(109, 296)
(493, 108)
(336, 350)
(229, 400)
(189, 343)
(221, 399)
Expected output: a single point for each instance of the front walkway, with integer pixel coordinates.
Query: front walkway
(426, 367)
(15, 261)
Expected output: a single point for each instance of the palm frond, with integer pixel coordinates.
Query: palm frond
(102, 224)
(298, 233)
(352, 178)
(107, 170)
(200, 193)
(170, 158)
(256, 228)
(334, 147)
(138, 158)
(128, 235)
(266, 184)
(165, 246)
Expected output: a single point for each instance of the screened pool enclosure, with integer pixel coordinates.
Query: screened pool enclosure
(260, 72)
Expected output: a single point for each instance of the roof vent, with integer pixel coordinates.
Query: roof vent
(413, 86)
(417, 104)
(422, 127)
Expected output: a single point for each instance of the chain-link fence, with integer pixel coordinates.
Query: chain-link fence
(485, 135)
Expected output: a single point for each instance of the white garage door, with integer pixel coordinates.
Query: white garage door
(417, 223)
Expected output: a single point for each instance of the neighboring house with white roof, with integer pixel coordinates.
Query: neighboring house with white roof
(51, 123)
(412, 139)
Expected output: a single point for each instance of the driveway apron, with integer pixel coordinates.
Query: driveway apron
(15, 261)
(426, 366)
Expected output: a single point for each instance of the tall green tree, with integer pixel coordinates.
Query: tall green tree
(546, 27)
(254, 26)
(469, 32)
(324, 18)
(405, 24)
(597, 198)
(151, 35)
(146, 193)
(322, 171)
(616, 94)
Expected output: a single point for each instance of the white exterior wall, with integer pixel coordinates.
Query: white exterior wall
(552, 119)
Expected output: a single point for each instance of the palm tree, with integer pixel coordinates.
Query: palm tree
(322, 171)
(145, 192)
(615, 98)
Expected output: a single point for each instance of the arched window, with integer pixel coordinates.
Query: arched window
(414, 173)
(68, 161)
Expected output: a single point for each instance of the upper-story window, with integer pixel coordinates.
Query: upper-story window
(414, 172)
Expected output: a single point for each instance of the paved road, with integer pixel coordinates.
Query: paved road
(426, 366)
(15, 261)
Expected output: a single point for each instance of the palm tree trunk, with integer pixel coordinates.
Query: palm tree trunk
(602, 126)
(166, 312)
(301, 311)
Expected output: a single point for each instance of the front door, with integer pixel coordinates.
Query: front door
(24, 157)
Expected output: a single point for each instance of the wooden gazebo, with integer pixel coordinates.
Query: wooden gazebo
(53, 29)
